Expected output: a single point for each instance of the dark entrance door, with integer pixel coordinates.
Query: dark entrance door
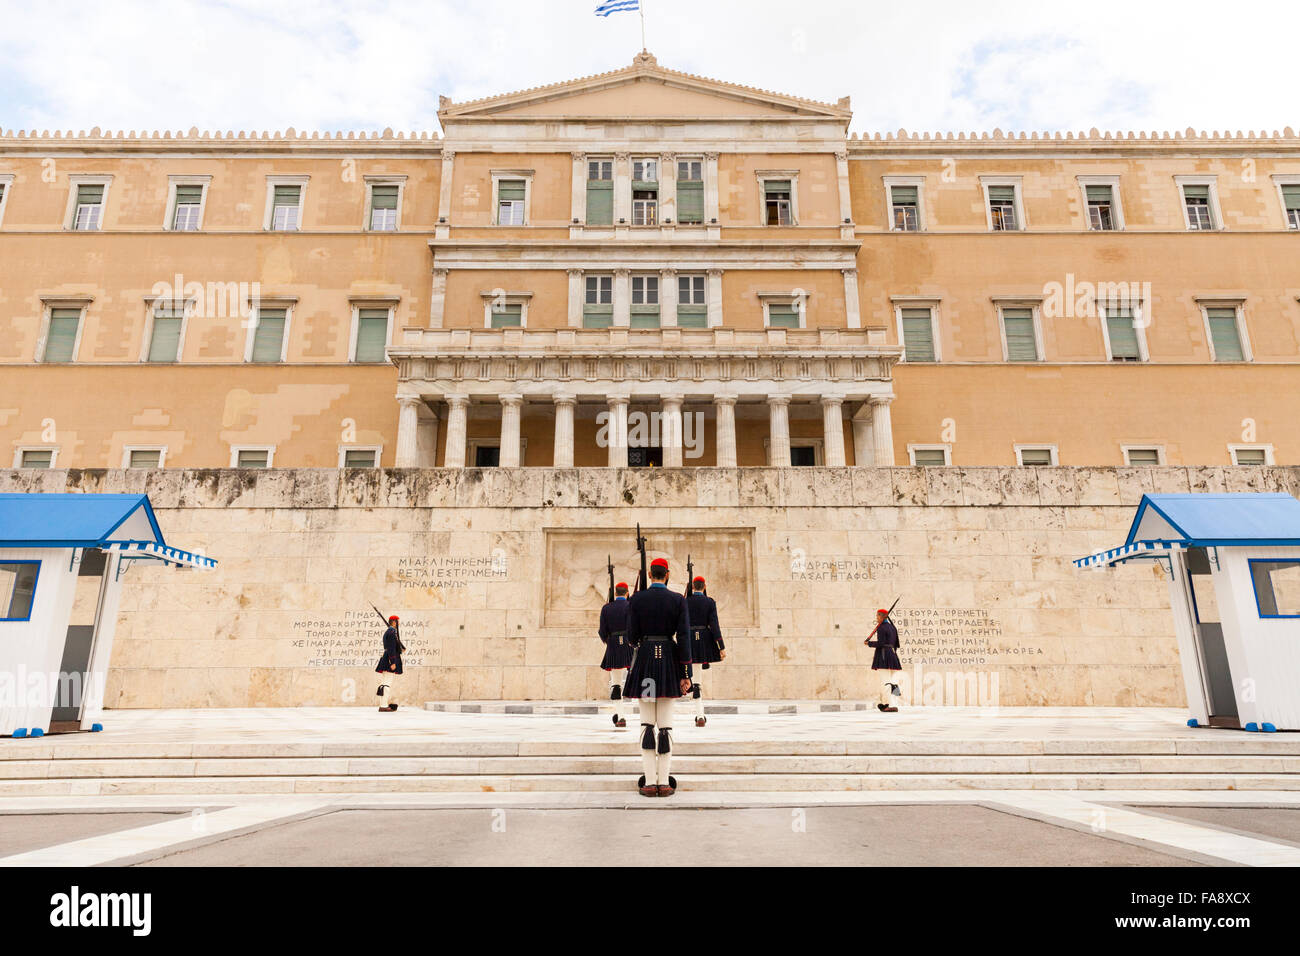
(1209, 636)
(645, 457)
(74, 670)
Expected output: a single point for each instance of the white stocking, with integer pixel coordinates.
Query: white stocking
(647, 706)
(665, 713)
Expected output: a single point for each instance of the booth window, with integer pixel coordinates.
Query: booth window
(17, 589)
(1277, 587)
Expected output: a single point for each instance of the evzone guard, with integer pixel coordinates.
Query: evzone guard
(659, 630)
(885, 661)
(618, 652)
(706, 639)
(389, 666)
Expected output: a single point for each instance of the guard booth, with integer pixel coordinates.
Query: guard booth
(63, 558)
(1233, 566)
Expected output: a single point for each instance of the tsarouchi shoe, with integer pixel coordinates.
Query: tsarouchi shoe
(701, 721)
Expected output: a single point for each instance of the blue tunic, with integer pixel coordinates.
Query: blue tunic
(391, 662)
(886, 645)
(613, 634)
(659, 630)
(706, 634)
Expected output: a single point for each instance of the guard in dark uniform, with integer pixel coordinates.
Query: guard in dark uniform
(886, 662)
(389, 666)
(659, 630)
(618, 652)
(706, 640)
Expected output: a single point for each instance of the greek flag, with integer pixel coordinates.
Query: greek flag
(617, 6)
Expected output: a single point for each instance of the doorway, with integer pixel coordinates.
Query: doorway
(1207, 631)
(74, 670)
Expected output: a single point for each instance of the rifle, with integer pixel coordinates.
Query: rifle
(878, 623)
(398, 628)
(610, 560)
(643, 579)
(690, 575)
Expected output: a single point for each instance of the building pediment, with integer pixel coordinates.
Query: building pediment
(645, 91)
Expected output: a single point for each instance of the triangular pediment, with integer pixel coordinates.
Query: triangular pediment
(644, 90)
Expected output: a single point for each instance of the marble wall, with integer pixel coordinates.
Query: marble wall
(499, 574)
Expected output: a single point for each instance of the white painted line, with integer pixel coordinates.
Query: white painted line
(190, 827)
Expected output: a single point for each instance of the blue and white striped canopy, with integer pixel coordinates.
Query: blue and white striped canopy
(1126, 552)
(617, 6)
(148, 549)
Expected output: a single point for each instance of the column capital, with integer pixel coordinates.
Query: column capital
(849, 273)
(622, 157)
(511, 399)
(726, 399)
(564, 398)
(667, 158)
(880, 399)
(574, 273)
(675, 400)
(409, 401)
(714, 273)
(668, 272)
(440, 272)
(456, 399)
(618, 399)
(578, 157)
(828, 400)
(778, 399)
(448, 155)
(711, 157)
(622, 273)
(841, 157)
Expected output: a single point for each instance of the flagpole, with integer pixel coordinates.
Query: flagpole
(641, 8)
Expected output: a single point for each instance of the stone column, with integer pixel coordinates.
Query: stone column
(713, 288)
(617, 430)
(670, 431)
(564, 406)
(622, 190)
(711, 191)
(667, 187)
(864, 447)
(881, 431)
(622, 298)
(438, 299)
(457, 430)
(511, 406)
(852, 307)
(577, 293)
(778, 443)
(833, 430)
(578, 207)
(667, 298)
(408, 431)
(442, 229)
(724, 407)
(842, 181)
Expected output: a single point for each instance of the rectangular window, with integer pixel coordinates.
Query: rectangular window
(905, 201)
(645, 192)
(1142, 456)
(487, 456)
(189, 203)
(1101, 207)
(690, 192)
(511, 194)
(286, 204)
(36, 458)
(372, 335)
(918, 335)
(360, 458)
(778, 209)
(783, 315)
(645, 171)
(507, 315)
(268, 336)
(1291, 202)
(1022, 343)
(1196, 199)
(383, 208)
(1250, 456)
(90, 207)
(803, 456)
(253, 458)
(1277, 587)
(598, 303)
(1002, 208)
(600, 192)
(18, 589)
(144, 458)
(165, 340)
(1225, 335)
(1123, 335)
(61, 340)
(692, 306)
(1036, 457)
(645, 302)
(930, 457)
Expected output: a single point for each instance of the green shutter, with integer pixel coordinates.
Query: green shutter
(1291, 196)
(597, 317)
(1099, 193)
(36, 458)
(144, 458)
(1196, 192)
(1021, 343)
(286, 195)
(189, 195)
(253, 458)
(918, 335)
(383, 197)
(372, 334)
(1225, 336)
(930, 457)
(1143, 456)
(903, 195)
(1002, 194)
(776, 188)
(782, 317)
(61, 340)
(510, 189)
(693, 316)
(356, 458)
(90, 195)
(690, 201)
(600, 202)
(166, 341)
(268, 339)
(507, 316)
(1123, 337)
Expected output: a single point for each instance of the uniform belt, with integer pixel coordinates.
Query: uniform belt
(657, 639)
(619, 633)
(697, 628)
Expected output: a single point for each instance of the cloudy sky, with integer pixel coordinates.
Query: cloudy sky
(366, 64)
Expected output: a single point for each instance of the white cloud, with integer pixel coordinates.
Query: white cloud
(1014, 64)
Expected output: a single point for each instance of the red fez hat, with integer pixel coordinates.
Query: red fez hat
(698, 580)
(621, 586)
(659, 563)
(881, 610)
(392, 617)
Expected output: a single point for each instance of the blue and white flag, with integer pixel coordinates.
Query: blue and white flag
(617, 6)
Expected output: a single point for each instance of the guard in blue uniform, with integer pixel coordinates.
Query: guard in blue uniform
(707, 646)
(659, 630)
(885, 662)
(618, 652)
(389, 666)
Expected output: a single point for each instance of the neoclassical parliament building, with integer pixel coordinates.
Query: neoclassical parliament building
(647, 267)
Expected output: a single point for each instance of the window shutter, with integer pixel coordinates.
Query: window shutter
(600, 202)
(510, 190)
(1123, 337)
(918, 335)
(930, 457)
(782, 317)
(165, 344)
(693, 316)
(253, 458)
(1251, 456)
(776, 188)
(189, 195)
(1021, 344)
(1143, 456)
(904, 195)
(1037, 457)
(1002, 194)
(37, 459)
(1099, 193)
(1225, 335)
(1291, 196)
(507, 316)
(268, 340)
(286, 195)
(372, 334)
(1196, 192)
(383, 197)
(358, 458)
(690, 201)
(61, 339)
(145, 458)
(89, 195)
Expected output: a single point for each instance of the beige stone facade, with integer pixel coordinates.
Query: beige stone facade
(789, 262)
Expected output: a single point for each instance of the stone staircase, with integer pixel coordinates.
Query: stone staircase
(81, 766)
